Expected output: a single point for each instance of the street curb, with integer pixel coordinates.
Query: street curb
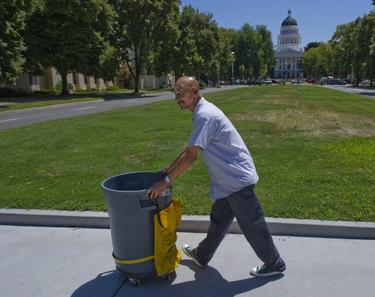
(199, 224)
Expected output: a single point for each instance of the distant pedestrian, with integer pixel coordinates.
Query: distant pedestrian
(233, 177)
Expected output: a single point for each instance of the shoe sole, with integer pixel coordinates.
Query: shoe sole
(191, 257)
(265, 275)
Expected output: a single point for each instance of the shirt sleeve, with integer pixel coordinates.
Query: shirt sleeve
(202, 131)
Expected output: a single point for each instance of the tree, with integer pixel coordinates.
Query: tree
(225, 57)
(109, 63)
(268, 58)
(318, 60)
(141, 26)
(344, 47)
(254, 50)
(365, 35)
(13, 15)
(325, 59)
(244, 49)
(310, 63)
(311, 45)
(70, 35)
(197, 49)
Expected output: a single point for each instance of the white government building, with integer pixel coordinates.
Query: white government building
(289, 50)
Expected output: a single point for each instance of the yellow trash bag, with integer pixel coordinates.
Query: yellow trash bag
(167, 255)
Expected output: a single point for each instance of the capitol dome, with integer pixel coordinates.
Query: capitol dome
(289, 21)
(289, 51)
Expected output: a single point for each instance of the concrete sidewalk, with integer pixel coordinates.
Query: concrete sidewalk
(50, 261)
(37, 259)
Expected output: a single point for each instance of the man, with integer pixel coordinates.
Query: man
(233, 177)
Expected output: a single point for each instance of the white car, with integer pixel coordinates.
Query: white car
(295, 81)
(268, 82)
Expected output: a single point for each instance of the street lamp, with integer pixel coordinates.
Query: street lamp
(351, 76)
(285, 68)
(232, 69)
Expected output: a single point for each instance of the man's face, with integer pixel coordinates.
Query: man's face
(184, 96)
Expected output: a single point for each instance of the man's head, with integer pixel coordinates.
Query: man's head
(187, 92)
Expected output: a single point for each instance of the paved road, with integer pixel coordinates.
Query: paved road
(24, 117)
(358, 91)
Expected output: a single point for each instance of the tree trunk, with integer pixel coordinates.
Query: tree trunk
(137, 62)
(136, 80)
(64, 81)
(357, 78)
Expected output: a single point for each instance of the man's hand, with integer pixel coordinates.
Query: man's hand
(174, 170)
(157, 189)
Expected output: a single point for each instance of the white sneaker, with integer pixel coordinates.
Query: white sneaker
(191, 253)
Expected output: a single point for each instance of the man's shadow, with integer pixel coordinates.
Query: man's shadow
(207, 282)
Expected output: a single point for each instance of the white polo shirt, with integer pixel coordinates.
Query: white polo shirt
(225, 154)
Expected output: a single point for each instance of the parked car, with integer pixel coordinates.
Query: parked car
(275, 81)
(366, 82)
(236, 82)
(310, 81)
(334, 81)
(295, 81)
(268, 82)
(347, 80)
(254, 82)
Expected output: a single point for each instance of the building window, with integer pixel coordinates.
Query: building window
(34, 80)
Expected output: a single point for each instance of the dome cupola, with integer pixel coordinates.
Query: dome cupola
(289, 21)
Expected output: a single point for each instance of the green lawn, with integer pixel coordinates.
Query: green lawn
(314, 149)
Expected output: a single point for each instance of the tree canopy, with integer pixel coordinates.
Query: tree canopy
(71, 39)
(253, 50)
(142, 25)
(13, 16)
(354, 47)
(311, 45)
(197, 47)
(351, 50)
(318, 61)
(97, 37)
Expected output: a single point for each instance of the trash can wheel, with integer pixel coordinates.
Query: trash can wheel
(165, 277)
(135, 282)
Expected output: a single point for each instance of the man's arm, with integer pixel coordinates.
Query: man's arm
(166, 170)
(181, 164)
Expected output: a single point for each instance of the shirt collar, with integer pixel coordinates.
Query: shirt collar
(199, 104)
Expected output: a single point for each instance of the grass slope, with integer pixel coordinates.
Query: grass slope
(313, 148)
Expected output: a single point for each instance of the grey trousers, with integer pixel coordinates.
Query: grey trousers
(245, 206)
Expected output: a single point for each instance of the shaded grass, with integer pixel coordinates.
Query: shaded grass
(313, 147)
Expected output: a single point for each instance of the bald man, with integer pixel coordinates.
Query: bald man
(233, 178)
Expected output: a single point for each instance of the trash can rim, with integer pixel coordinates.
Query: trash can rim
(130, 191)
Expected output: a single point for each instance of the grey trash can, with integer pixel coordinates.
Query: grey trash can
(131, 216)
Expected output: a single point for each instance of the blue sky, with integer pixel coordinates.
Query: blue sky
(317, 19)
